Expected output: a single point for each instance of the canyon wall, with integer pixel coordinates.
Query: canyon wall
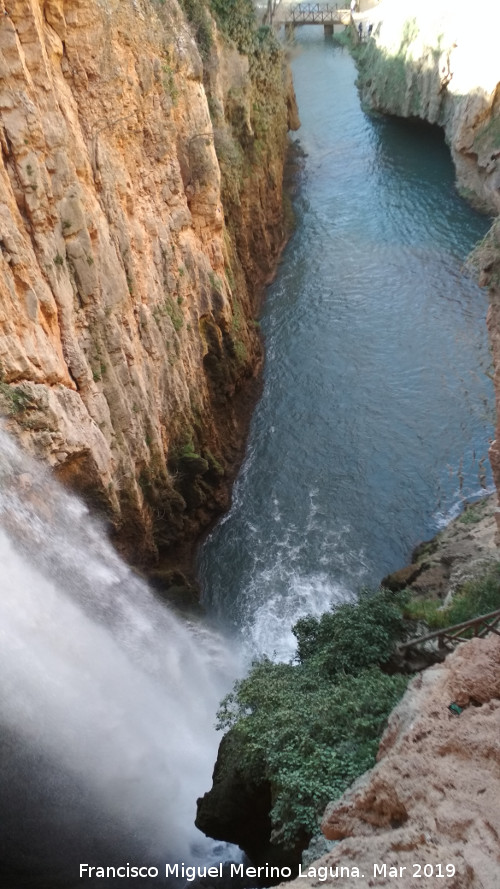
(435, 62)
(141, 211)
(432, 799)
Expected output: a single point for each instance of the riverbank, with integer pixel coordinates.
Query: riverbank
(464, 550)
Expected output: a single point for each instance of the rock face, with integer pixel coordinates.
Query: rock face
(432, 798)
(237, 810)
(465, 550)
(434, 62)
(129, 266)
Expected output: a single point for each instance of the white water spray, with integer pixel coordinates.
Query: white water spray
(99, 678)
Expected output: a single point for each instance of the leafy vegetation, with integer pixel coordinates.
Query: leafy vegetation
(236, 19)
(16, 399)
(471, 516)
(169, 83)
(475, 597)
(311, 728)
(168, 308)
(199, 18)
(188, 450)
(353, 636)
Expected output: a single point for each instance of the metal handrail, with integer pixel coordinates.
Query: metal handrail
(314, 12)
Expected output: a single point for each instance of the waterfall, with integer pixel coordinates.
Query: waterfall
(107, 699)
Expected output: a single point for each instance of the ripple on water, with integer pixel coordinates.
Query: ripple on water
(377, 406)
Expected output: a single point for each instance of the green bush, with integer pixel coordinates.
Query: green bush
(428, 610)
(236, 19)
(353, 636)
(199, 18)
(311, 728)
(474, 598)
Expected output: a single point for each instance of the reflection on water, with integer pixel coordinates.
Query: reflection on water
(377, 407)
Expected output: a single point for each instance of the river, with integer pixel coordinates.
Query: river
(377, 407)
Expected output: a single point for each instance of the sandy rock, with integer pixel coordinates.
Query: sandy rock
(464, 550)
(432, 798)
(116, 256)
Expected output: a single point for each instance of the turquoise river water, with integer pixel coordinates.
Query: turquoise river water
(377, 406)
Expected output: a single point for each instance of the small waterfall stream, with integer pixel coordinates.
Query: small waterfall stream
(107, 699)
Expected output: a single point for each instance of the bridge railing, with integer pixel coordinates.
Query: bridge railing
(477, 626)
(315, 7)
(310, 13)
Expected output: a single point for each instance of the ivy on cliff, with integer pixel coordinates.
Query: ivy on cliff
(199, 18)
(311, 728)
(236, 19)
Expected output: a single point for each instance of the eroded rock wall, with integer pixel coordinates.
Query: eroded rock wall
(436, 62)
(432, 798)
(465, 550)
(129, 274)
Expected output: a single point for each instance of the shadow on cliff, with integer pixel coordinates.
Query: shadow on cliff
(423, 89)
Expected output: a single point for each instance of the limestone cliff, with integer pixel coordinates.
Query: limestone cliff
(436, 62)
(129, 267)
(433, 796)
(464, 550)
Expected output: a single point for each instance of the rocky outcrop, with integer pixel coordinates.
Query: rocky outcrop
(464, 550)
(130, 266)
(237, 810)
(486, 259)
(432, 798)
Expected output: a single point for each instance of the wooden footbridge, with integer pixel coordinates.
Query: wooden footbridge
(326, 14)
(439, 643)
